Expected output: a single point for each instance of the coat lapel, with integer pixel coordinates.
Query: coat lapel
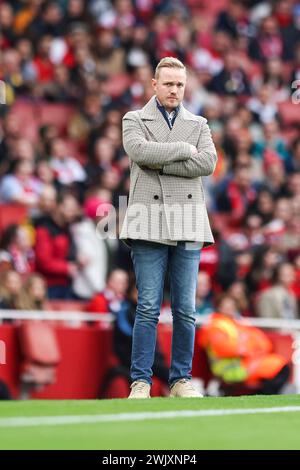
(185, 123)
(154, 121)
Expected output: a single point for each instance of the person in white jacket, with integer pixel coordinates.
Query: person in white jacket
(93, 252)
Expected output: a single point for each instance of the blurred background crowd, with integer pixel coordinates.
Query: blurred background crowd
(69, 70)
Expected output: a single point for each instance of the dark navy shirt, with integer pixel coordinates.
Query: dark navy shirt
(169, 117)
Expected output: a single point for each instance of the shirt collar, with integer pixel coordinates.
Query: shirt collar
(163, 109)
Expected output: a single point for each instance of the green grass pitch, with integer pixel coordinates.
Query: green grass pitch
(271, 430)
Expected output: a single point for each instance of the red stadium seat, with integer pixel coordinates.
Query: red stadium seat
(74, 151)
(213, 7)
(25, 111)
(11, 214)
(39, 344)
(41, 355)
(216, 6)
(289, 113)
(66, 305)
(117, 85)
(55, 113)
(289, 135)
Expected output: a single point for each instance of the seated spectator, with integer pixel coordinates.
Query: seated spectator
(231, 80)
(35, 297)
(8, 35)
(76, 12)
(20, 185)
(204, 304)
(59, 90)
(45, 173)
(23, 150)
(11, 74)
(296, 155)
(263, 205)
(269, 41)
(11, 290)
(88, 117)
(101, 160)
(233, 20)
(275, 179)
(272, 146)
(109, 300)
(279, 231)
(254, 230)
(238, 291)
(263, 104)
(295, 75)
(49, 21)
(47, 203)
(236, 195)
(67, 169)
(265, 260)
(241, 354)
(279, 301)
(47, 134)
(110, 59)
(95, 253)
(16, 249)
(10, 133)
(274, 74)
(42, 64)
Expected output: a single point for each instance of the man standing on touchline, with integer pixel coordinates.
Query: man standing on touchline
(166, 222)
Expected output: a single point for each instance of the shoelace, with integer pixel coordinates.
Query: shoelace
(139, 386)
(185, 381)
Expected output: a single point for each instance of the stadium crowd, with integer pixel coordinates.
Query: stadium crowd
(69, 70)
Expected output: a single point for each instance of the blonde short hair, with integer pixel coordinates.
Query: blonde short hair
(170, 62)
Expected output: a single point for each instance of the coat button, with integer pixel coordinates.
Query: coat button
(190, 196)
(156, 196)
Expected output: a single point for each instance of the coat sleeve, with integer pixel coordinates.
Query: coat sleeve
(145, 153)
(202, 163)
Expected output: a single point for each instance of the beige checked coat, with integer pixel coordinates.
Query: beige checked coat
(166, 198)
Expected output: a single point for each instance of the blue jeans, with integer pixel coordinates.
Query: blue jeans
(60, 292)
(150, 261)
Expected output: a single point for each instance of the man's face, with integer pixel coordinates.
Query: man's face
(169, 87)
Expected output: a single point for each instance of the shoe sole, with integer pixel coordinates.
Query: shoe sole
(138, 398)
(178, 396)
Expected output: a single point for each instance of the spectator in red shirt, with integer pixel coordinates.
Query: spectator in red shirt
(237, 195)
(55, 249)
(15, 249)
(42, 63)
(109, 300)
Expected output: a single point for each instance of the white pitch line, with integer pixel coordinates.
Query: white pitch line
(110, 418)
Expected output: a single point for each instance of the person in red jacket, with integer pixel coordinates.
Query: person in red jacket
(55, 250)
(239, 353)
(109, 300)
